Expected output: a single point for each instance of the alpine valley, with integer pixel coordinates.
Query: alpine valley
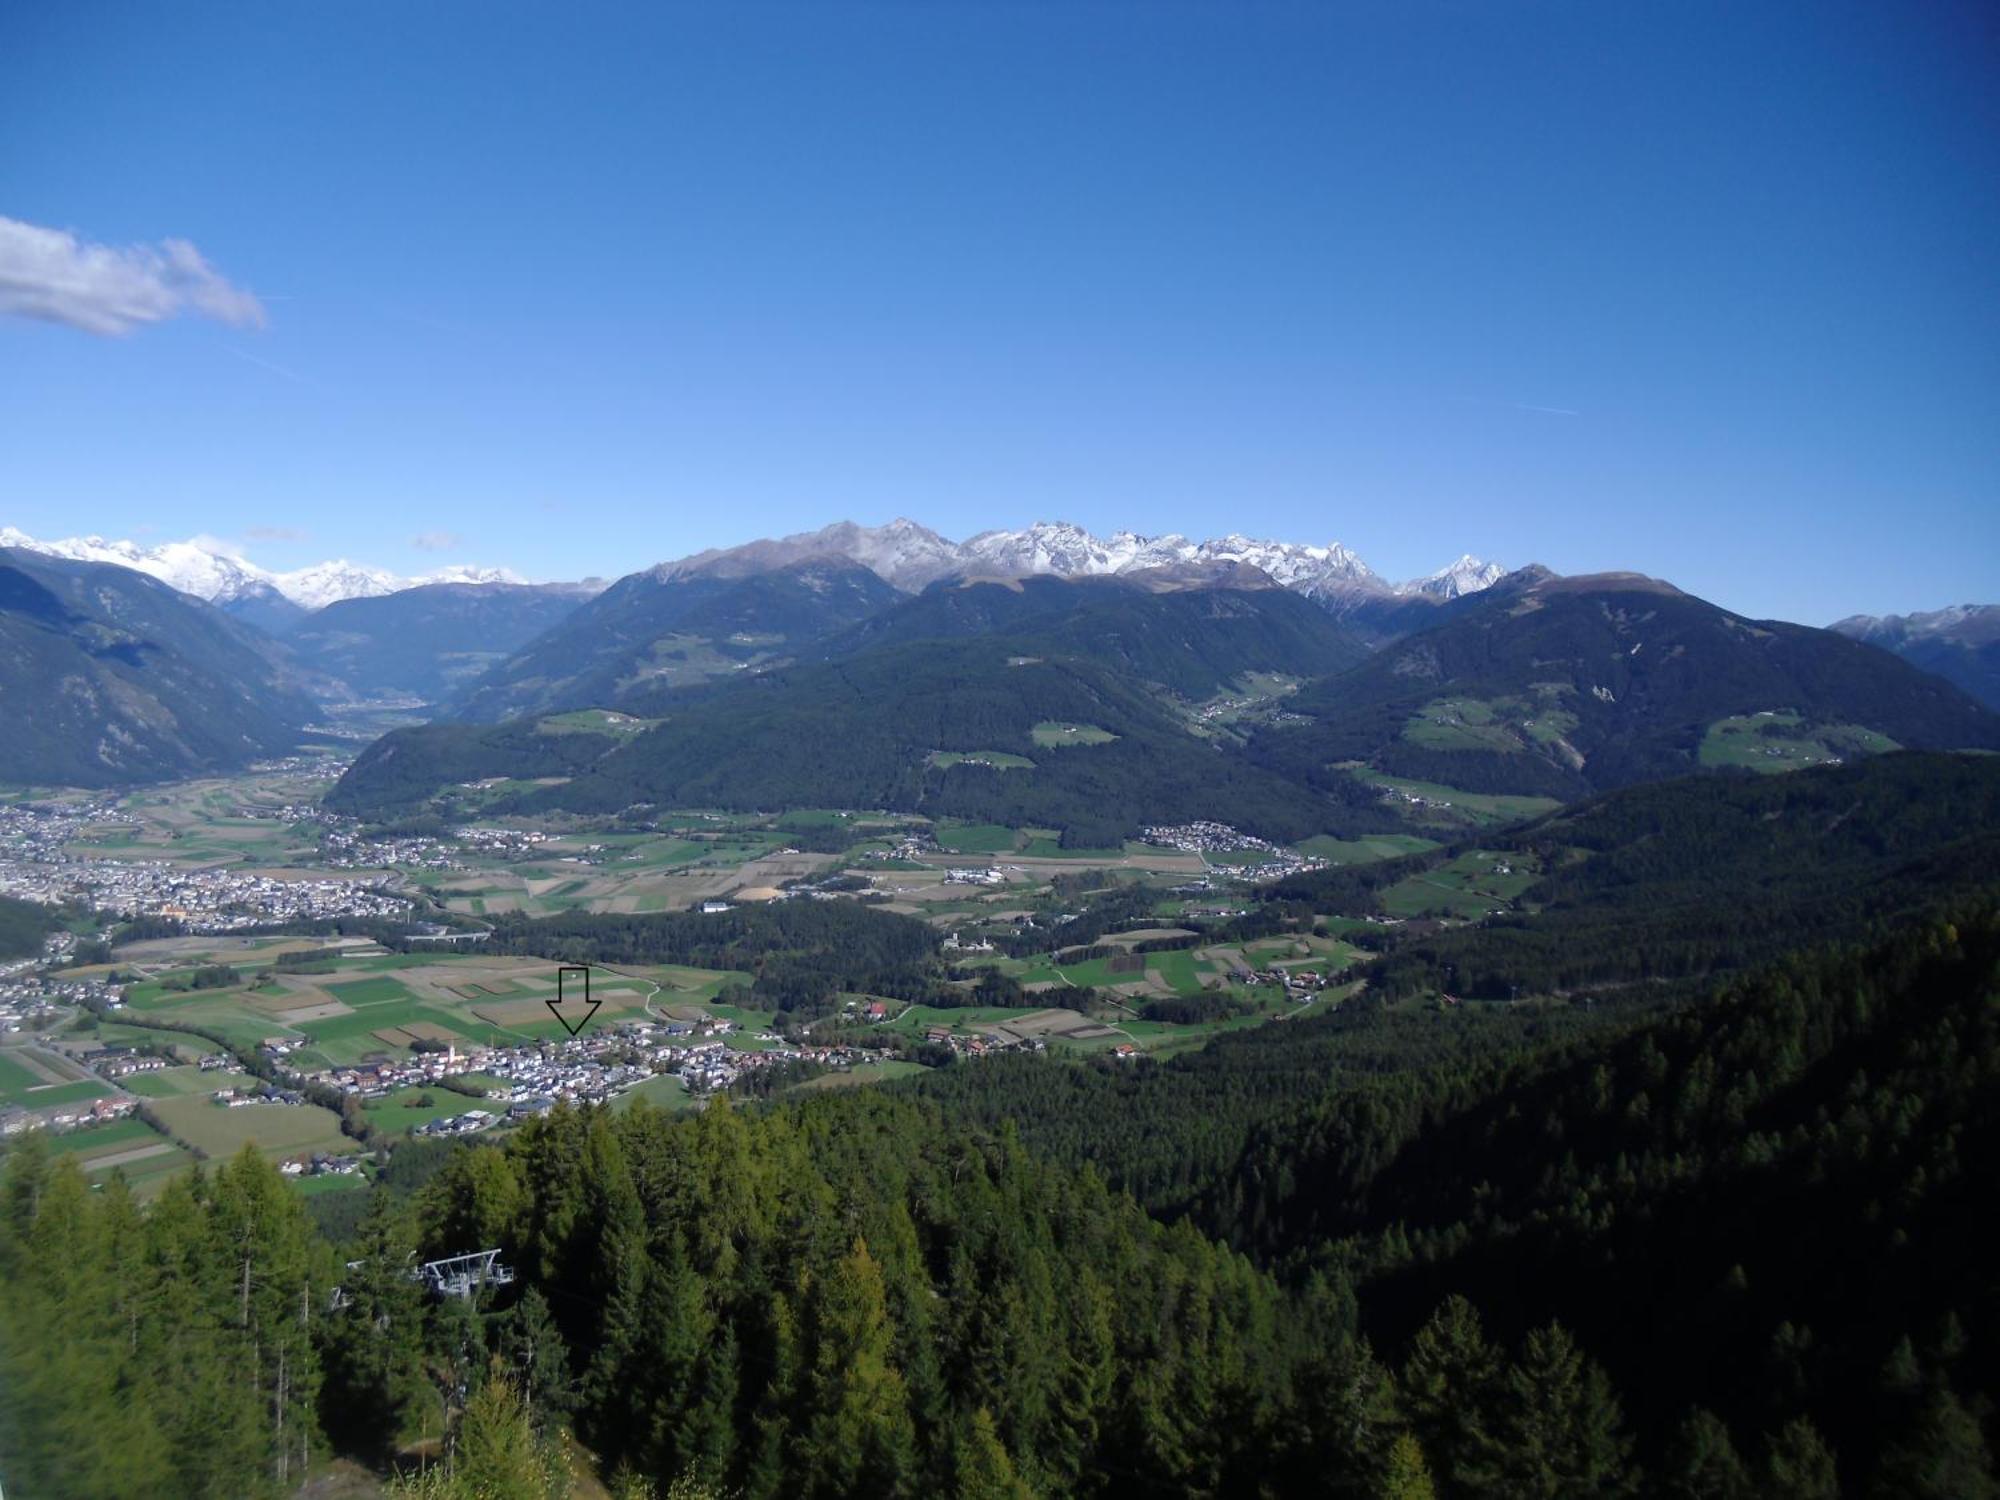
(1066, 1015)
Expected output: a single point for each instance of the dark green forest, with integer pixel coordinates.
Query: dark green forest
(875, 720)
(800, 956)
(1192, 641)
(1731, 1248)
(1662, 884)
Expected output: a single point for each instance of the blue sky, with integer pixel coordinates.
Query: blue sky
(1702, 290)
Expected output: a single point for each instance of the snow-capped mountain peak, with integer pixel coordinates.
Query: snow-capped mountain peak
(468, 573)
(1468, 575)
(912, 556)
(211, 570)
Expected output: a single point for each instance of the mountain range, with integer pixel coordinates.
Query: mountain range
(1960, 644)
(210, 571)
(1090, 704)
(902, 553)
(1275, 665)
(911, 556)
(1557, 687)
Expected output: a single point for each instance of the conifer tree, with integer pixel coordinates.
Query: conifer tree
(497, 1456)
(858, 1439)
(1405, 1475)
(1702, 1463)
(1558, 1430)
(1798, 1465)
(1942, 1457)
(1450, 1388)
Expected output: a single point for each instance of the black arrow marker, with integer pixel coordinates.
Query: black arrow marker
(573, 1005)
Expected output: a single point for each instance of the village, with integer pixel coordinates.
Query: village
(1207, 839)
(204, 900)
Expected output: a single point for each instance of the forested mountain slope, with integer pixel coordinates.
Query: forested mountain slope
(1676, 880)
(1765, 1203)
(1193, 640)
(108, 677)
(1773, 1197)
(660, 630)
(1579, 684)
(884, 729)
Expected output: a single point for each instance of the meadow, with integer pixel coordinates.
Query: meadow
(1475, 883)
(1781, 741)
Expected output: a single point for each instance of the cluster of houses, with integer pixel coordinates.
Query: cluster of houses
(117, 1063)
(979, 1045)
(587, 1069)
(34, 1002)
(319, 1164)
(68, 1116)
(39, 831)
(501, 843)
(465, 1124)
(967, 875)
(1206, 838)
(263, 1093)
(1299, 984)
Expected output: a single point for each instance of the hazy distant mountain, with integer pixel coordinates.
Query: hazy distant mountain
(234, 583)
(672, 629)
(430, 640)
(1961, 644)
(1556, 686)
(912, 556)
(108, 676)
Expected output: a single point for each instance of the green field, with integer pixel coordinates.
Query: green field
(1469, 886)
(400, 1110)
(102, 1140)
(16, 1080)
(277, 1129)
(1055, 734)
(998, 759)
(172, 1083)
(1450, 807)
(1460, 724)
(1781, 741)
(873, 1072)
(20, 1084)
(146, 1175)
(594, 721)
(111, 1033)
(1047, 844)
(977, 838)
(664, 1092)
(1506, 725)
(1365, 850)
(370, 991)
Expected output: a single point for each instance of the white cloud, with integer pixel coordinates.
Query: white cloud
(436, 541)
(52, 275)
